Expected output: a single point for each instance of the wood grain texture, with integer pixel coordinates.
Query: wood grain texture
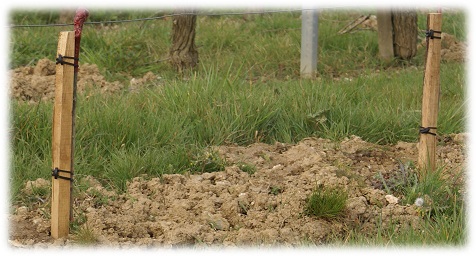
(405, 33)
(183, 53)
(431, 95)
(62, 145)
(385, 34)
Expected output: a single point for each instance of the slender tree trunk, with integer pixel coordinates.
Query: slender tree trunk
(405, 33)
(183, 53)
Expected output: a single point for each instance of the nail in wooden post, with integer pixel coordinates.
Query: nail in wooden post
(431, 94)
(62, 143)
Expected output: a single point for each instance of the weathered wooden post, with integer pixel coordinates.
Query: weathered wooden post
(309, 34)
(63, 127)
(431, 94)
(385, 34)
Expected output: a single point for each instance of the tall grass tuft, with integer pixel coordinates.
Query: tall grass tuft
(326, 202)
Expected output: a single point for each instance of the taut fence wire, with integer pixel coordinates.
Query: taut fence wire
(164, 17)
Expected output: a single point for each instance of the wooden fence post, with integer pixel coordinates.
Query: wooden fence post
(431, 94)
(385, 34)
(309, 34)
(62, 142)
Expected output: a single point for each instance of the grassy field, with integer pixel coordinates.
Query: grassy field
(246, 89)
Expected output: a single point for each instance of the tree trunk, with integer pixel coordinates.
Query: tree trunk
(405, 33)
(183, 53)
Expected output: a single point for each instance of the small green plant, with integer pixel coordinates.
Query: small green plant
(406, 176)
(79, 218)
(326, 202)
(37, 194)
(271, 207)
(437, 191)
(243, 207)
(318, 119)
(275, 190)
(245, 167)
(84, 235)
(207, 161)
(99, 198)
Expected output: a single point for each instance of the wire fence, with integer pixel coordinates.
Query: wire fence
(160, 18)
(278, 59)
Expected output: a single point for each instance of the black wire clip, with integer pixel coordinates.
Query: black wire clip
(431, 34)
(426, 130)
(56, 171)
(60, 60)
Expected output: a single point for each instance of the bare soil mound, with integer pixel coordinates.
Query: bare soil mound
(34, 84)
(451, 48)
(237, 207)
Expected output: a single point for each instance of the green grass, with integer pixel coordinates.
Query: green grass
(443, 213)
(84, 236)
(442, 230)
(248, 168)
(246, 89)
(164, 129)
(326, 202)
(264, 46)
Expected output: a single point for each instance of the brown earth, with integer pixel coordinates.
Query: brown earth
(236, 208)
(451, 48)
(34, 84)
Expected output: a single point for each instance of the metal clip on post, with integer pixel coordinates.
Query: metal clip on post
(426, 130)
(56, 171)
(431, 34)
(60, 60)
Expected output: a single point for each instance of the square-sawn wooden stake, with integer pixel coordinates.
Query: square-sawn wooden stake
(62, 141)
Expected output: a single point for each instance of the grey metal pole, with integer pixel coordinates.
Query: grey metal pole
(309, 43)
